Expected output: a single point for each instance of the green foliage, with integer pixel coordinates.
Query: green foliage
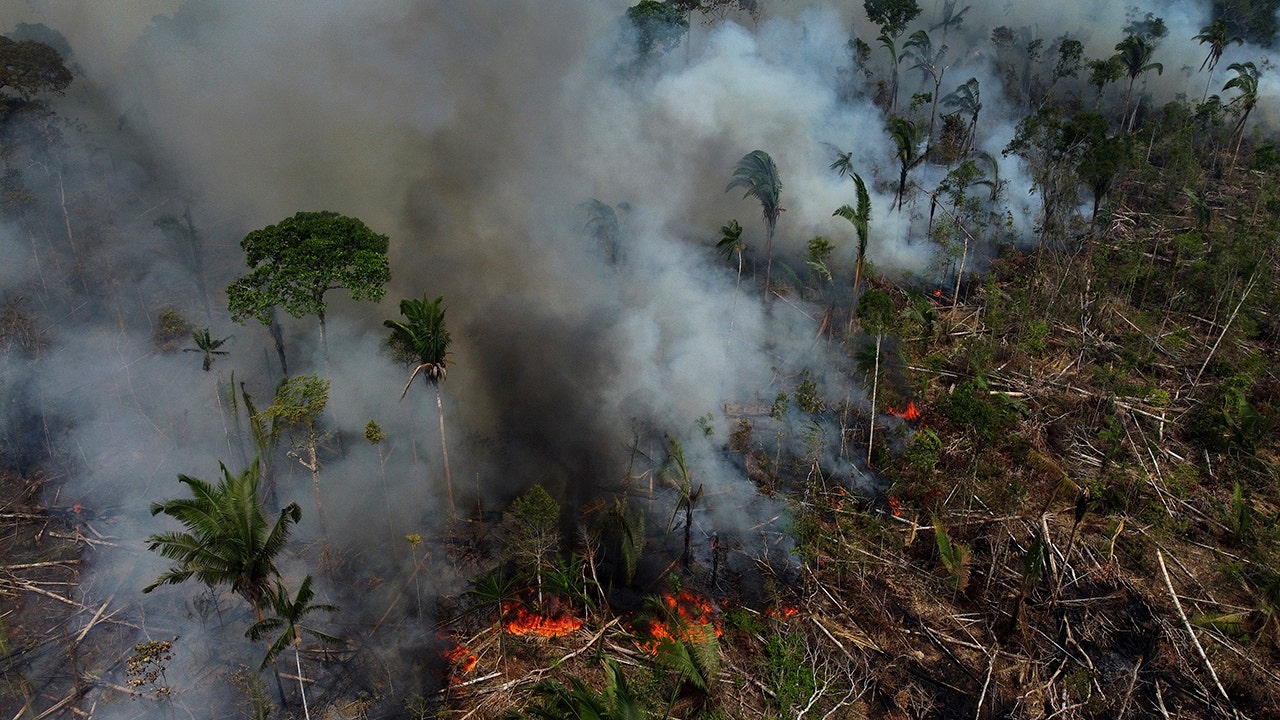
(954, 556)
(226, 539)
(288, 614)
(876, 312)
(972, 406)
(299, 403)
(373, 432)
(757, 174)
(531, 534)
(1032, 336)
(207, 346)
(924, 451)
(818, 258)
(787, 674)
(778, 409)
(422, 340)
(615, 701)
(1239, 516)
(892, 16)
(730, 242)
(807, 397)
(296, 261)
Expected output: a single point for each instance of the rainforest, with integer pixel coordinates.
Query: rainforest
(697, 359)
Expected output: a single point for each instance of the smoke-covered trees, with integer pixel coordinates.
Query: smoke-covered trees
(858, 215)
(907, 138)
(758, 175)
(657, 27)
(298, 405)
(296, 261)
(422, 340)
(29, 67)
(226, 540)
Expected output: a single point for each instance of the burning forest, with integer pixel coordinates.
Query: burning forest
(674, 359)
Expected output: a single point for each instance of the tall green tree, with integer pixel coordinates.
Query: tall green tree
(288, 613)
(893, 16)
(731, 245)
(1217, 37)
(1134, 54)
(227, 539)
(295, 262)
(422, 340)
(758, 175)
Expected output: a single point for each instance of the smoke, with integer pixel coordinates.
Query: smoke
(471, 134)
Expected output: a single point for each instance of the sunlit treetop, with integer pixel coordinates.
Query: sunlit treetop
(296, 261)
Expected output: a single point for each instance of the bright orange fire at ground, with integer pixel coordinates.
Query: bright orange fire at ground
(519, 621)
(690, 617)
(462, 662)
(782, 611)
(910, 413)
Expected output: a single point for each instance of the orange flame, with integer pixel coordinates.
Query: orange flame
(783, 611)
(910, 413)
(523, 622)
(462, 659)
(895, 505)
(937, 293)
(690, 617)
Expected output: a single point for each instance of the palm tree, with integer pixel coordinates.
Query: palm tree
(1134, 54)
(950, 17)
(423, 341)
(859, 216)
(687, 497)
(888, 43)
(1246, 83)
(929, 62)
(756, 173)
(967, 98)
(495, 588)
(731, 244)
(207, 345)
(227, 541)
(287, 620)
(1216, 36)
(603, 225)
(906, 137)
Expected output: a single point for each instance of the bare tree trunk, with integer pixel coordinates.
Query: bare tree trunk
(448, 477)
(875, 384)
(297, 658)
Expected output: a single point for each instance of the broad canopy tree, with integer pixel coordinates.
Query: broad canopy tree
(296, 261)
(30, 67)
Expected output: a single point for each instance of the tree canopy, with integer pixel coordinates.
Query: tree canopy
(30, 67)
(296, 261)
(892, 16)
